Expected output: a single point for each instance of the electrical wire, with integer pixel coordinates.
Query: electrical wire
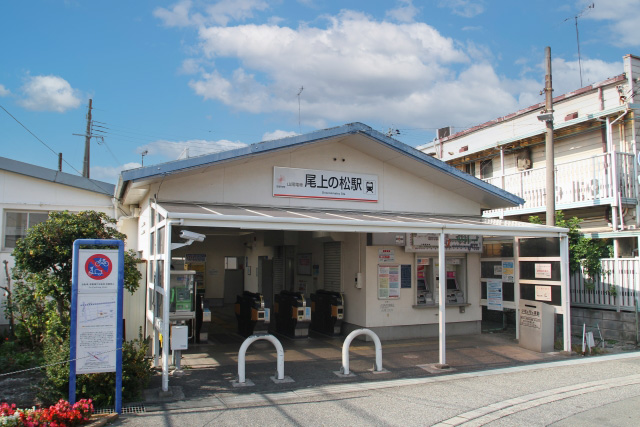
(53, 151)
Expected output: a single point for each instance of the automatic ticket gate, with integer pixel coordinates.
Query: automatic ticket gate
(292, 314)
(251, 314)
(327, 312)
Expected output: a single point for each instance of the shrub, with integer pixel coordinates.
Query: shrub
(136, 372)
(14, 357)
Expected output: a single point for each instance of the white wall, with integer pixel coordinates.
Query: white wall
(23, 193)
(250, 182)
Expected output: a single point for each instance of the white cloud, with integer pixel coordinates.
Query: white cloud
(464, 8)
(623, 16)
(355, 68)
(110, 173)
(49, 93)
(182, 13)
(405, 12)
(278, 134)
(172, 150)
(177, 16)
(4, 91)
(566, 74)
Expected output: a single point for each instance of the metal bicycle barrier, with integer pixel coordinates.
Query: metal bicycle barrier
(243, 350)
(347, 342)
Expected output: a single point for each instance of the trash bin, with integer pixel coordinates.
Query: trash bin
(327, 312)
(251, 313)
(536, 325)
(292, 314)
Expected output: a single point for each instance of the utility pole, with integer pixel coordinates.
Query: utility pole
(87, 144)
(547, 117)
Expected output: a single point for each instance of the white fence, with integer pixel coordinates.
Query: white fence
(616, 288)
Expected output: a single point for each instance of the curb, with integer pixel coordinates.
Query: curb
(101, 420)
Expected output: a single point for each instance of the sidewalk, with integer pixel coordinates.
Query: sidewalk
(209, 369)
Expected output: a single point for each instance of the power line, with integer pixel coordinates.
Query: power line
(52, 150)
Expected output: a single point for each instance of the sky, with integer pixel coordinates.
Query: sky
(184, 78)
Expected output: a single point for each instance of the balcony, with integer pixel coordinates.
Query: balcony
(579, 183)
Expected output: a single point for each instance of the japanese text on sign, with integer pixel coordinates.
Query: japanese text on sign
(428, 242)
(318, 184)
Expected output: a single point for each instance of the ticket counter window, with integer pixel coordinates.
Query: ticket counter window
(428, 281)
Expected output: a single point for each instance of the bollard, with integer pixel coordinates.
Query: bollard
(243, 350)
(347, 342)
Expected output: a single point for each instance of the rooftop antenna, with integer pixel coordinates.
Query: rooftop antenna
(299, 92)
(591, 6)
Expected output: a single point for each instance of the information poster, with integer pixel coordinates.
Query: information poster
(543, 271)
(405, 276)
(386, 255)
(97, 304)
(494, 295)
(388, 281)
(197, 263)
(96, 333)
(543, 293)
(508, 272)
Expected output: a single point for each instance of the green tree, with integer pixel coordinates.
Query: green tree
(42, 300)
(43, 257)
(582, 250)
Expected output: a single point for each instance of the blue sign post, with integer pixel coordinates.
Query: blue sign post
(96, 312)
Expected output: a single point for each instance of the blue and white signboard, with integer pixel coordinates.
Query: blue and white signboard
(96, 312)
(494, 295)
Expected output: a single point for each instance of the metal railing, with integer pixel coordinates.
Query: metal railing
(585, 182)
(616, 287)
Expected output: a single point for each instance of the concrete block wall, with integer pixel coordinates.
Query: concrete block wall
(616, 326)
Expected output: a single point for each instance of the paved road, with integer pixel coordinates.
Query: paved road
(602, 391)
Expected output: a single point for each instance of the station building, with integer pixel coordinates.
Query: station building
(345, 209)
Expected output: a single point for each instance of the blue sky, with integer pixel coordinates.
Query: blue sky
(179, 78)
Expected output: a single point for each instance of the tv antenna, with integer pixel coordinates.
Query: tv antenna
(591, 6)
(299, 92)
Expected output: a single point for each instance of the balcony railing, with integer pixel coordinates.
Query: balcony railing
(584, 182)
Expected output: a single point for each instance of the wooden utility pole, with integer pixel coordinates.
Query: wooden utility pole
(87, 145)
(547, 117)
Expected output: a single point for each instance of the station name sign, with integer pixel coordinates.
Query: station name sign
(428, 242)
(321, 184)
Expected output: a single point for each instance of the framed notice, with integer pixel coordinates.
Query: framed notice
(388, 281)
(543, 293)
(304, 264)
(543, 271)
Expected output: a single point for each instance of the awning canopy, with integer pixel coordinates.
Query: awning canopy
(285, 218)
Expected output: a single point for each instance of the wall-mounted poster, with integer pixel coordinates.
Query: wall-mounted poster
(388, 281)
(494, 295)
(543, 271)
(508, 274)
(197, 263)
(304, 264)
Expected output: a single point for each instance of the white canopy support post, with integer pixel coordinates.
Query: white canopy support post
(442, 274)
(166, 303)
(243, 351)
(565, 291)
(344, 370)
